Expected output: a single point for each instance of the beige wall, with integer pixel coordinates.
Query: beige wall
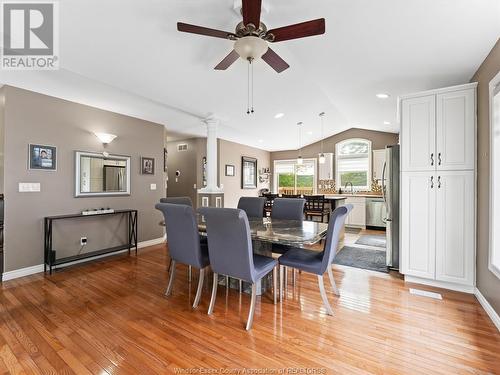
(379, 141)
(31, 117)
(231, 153)
(487, 283)
(189, 163)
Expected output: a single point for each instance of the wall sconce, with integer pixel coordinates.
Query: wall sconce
(105, 138)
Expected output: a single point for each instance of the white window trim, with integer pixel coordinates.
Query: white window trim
(337, 175)
(492, 267)
(275, 177)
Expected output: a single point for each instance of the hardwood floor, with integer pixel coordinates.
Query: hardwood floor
(111, 317)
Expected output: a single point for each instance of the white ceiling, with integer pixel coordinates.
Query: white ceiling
(126, 56)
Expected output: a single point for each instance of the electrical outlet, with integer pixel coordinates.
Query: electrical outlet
(83, 241)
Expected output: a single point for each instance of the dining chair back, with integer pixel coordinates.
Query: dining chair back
(288, 209)
(335, 226)
(177, 200)
(315, 207)
(253, 206)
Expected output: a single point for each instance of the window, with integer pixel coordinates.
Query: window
(494, 258)
(353, 163)
(293, 179)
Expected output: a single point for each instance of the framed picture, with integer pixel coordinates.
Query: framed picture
(230, 170)
(248, 173)
(165, 156)
(41, 157)
(147, 165)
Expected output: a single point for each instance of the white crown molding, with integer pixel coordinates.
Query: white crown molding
(495, 318)
(15, 274)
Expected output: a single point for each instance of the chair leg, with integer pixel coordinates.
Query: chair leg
(275, 284)
(252, 307)
(214, 294)
(200, 287)
(241, 286)
(227, 282)
(294, 276)
(190, 273)
(171, 280)
(286, 278)
(281, 282)
(169, 265)
(328, 308)
(332, 281)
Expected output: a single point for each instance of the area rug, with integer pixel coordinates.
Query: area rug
(376, 240)
(352, 230)
(358, 257)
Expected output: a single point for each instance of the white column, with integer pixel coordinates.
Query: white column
(212, 124)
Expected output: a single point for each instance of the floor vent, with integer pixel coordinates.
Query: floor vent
(425, 293)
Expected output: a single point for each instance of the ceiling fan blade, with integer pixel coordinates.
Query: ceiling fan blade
(251, 12)
(228, 61)
(187, 28)
(276, 62)
(299, 30)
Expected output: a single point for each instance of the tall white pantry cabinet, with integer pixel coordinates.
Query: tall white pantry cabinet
(438, 148)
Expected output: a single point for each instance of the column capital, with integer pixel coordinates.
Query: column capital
(211, 120)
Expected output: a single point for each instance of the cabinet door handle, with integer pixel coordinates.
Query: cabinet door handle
(439, 159)
(432, 159)
(439, 182)
(432, 182)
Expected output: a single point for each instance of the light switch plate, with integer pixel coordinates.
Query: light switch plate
(153, 186)
(29, 187)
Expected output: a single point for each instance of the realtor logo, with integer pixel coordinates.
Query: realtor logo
(30, 35)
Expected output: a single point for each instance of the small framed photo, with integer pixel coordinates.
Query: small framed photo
(41, 157)
(230, 170)
(165, 157)
(147, 165)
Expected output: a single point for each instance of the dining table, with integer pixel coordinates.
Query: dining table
(265, 233)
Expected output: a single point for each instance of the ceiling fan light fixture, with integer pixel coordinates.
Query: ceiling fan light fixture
(250, 47)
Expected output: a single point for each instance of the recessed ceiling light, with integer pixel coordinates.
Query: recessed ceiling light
(279, 115)
(261, 140)
(382, 96)
(387, 123)
(309, 132)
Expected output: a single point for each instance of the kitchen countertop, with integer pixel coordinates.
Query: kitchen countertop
(361, 195)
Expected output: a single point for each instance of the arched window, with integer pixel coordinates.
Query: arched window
(353, 163)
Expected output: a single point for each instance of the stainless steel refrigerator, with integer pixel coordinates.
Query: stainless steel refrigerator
(390, 191)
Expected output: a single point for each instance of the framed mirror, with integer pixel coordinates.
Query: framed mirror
(101, 174)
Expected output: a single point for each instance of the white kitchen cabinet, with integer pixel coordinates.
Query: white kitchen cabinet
(357, 217)
(455, 227)
(418, 227)
(325, 170)
(438, 129)
(438, 187)
(418, 133)
(378, 163)
(455, 130)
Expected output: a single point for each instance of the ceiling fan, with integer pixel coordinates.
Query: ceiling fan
(251, 36)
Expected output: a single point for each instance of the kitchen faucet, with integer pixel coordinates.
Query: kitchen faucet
(352, 187)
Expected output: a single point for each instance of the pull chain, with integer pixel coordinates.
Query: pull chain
(252, 83)
(248, 88)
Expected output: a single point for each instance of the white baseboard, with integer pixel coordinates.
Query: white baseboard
(10, 275)
(440, 284)
(495, 318)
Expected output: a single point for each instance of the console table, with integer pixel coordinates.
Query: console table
(50, 255)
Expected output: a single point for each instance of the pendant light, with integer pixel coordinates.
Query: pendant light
(322, 158)
(300, 160)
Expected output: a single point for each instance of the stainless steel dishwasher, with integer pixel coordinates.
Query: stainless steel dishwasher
(375, 212)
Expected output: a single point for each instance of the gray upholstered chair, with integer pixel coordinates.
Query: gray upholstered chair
(231, 252)
(288, 209)
(177, 200)
(184, 242)
(318, 262)
(253, 206)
